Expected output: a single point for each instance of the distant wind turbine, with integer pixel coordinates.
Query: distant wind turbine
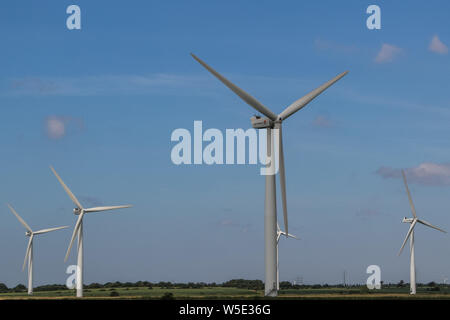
(78, 230)
(413, 221)
(279, 234)
(29, 252)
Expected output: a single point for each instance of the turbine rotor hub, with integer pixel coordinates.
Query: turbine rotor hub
(76, 211)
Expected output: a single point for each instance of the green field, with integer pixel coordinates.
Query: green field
(235, 293)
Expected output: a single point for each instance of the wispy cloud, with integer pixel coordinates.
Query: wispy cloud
(57, 127)
(427, 173)
(437, 46)
(369, 98)
(34, 84)
(90, 201)
(387, 53)
(181, 85)
(322, 121)
(367, 213)
(103, 85)
(327, 45)
(233, 224)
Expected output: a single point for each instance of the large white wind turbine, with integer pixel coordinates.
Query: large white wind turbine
(78, 230)
(279, 234)
(270, 123)
(29, 253)
(413, 221)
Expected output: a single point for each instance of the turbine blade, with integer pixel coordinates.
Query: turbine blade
(49, 230)
(292, 236)
(282, 178)
(98, 209)
(288, 235)
(407, 235)
(430, 225)
(413, 209)
(75, 231)
(300, 103)
(241, 93)
(20, 218)
(27, 253)
(71, 195)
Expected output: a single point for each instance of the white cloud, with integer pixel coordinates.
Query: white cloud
(56, 127)
(427, 173)
(387, 53)
(437, 46)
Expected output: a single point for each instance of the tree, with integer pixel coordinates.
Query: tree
(19, 288)
(114, 293)
(94, 286)
(166, 285)
(3, 287)
(167, 296)
(285, 285)
(244, 284)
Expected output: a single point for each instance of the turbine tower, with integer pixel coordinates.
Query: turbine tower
(29, 252)
(78, 230)
(288, 235)
(271, 123)
(413, 221)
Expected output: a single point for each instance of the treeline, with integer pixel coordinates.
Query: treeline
(238, 283)
(431, 286)
(235, 283)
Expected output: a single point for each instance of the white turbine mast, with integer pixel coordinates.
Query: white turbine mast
(78, 230)
(270, 123)
(410, 235)
(29, 252)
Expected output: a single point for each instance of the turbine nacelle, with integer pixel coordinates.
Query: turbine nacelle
(77, 211)
(259, 122)
(407, 220)
(28, 234)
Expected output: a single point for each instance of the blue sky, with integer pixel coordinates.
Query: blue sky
(117, 88)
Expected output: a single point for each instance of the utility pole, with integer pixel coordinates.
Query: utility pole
(345, 273)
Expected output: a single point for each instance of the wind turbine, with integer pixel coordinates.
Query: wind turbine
(413, 221)
(288, 235)
(270, 123)
(78, 230)
(29, 253)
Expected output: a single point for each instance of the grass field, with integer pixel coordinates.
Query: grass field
(235, 293)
